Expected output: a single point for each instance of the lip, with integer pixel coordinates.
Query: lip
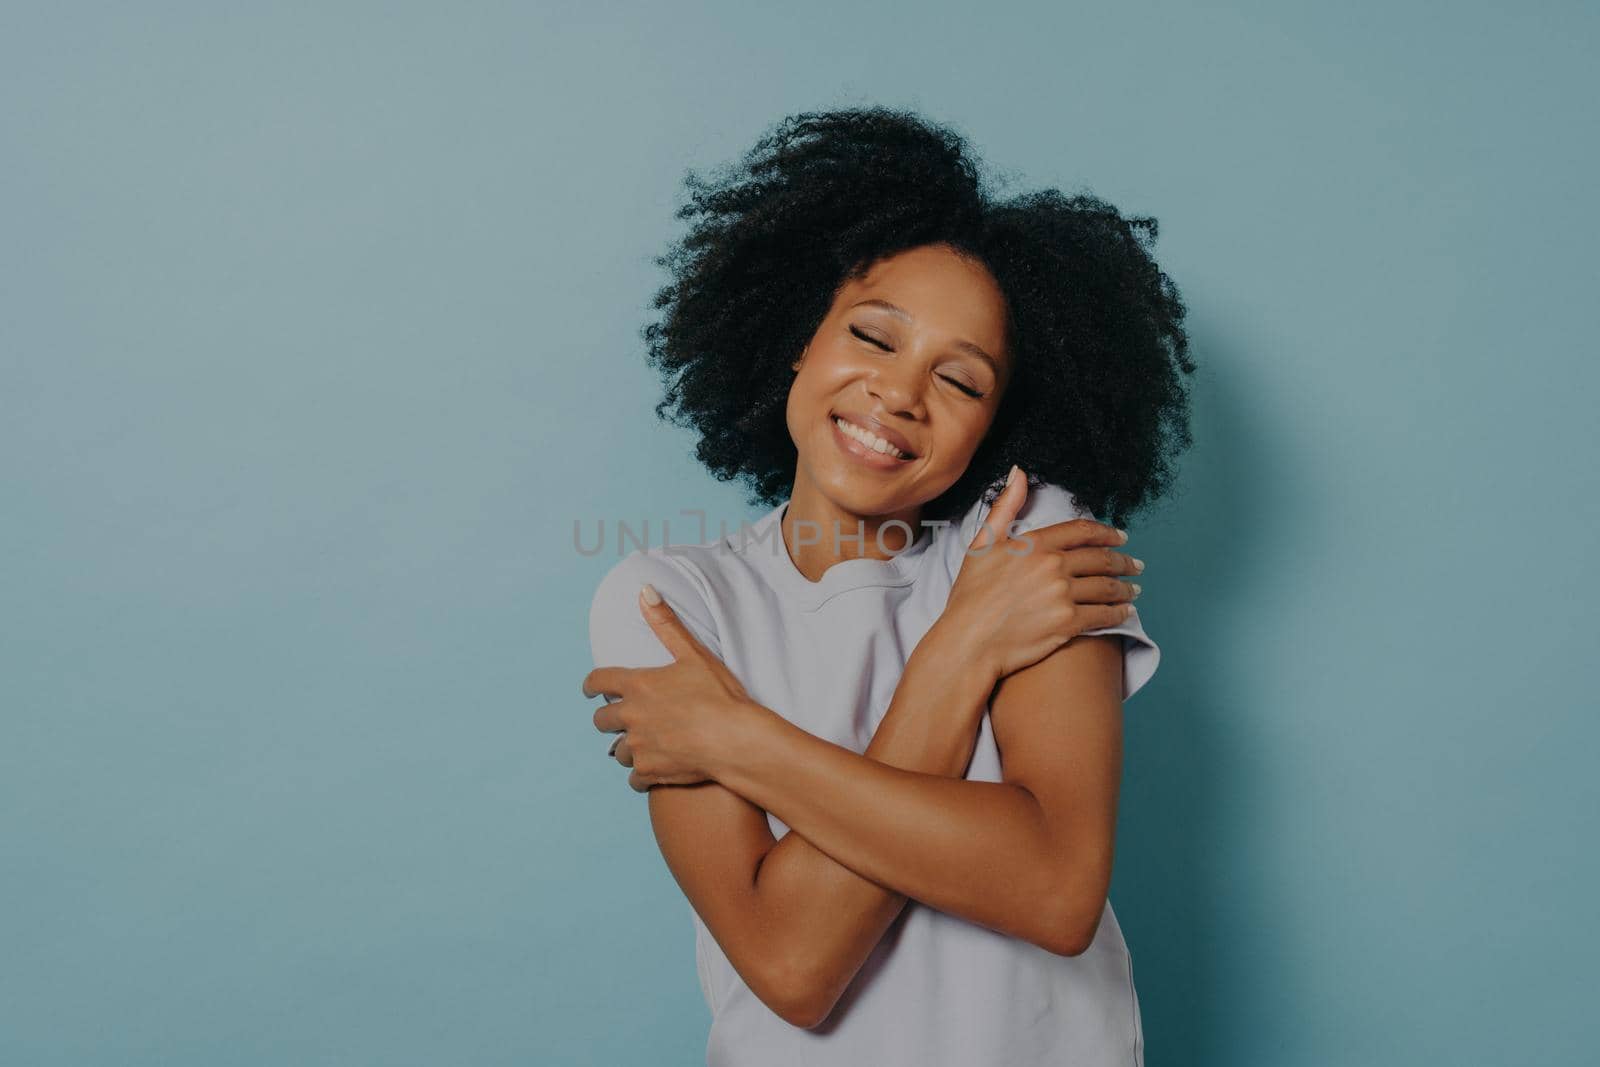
(863, 455)
(867, 422)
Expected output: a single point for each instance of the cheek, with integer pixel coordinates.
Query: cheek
(791, 413)
(802, 407)
(965, 434)
(815, 385)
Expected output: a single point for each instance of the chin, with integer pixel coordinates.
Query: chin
(856, 493)
(850, 491)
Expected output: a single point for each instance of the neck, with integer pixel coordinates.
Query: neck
(819, 533)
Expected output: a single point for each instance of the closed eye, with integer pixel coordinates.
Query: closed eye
(871, 340)
(958, 383)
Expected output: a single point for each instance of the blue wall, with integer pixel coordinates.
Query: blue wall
(320, 330)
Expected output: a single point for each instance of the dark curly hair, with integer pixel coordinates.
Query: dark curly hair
(1096, 403)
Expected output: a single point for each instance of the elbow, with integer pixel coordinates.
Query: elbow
(805, 1006)
(1066, 940)
(795, 994)
(782, 967)
(806, 1013)
(1073, 926)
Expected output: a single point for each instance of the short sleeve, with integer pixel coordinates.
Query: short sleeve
(1048, 504)
(619, 636)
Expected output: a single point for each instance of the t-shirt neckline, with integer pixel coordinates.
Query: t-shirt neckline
(771, 554)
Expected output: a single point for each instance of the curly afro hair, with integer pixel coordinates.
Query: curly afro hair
(1097, 403)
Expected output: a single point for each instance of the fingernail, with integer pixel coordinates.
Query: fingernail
(1138, 564)
(651, 597)
(1136, 589)
(1122, 534)
(1011, 477)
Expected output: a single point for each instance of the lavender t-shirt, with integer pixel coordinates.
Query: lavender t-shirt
(938, 990)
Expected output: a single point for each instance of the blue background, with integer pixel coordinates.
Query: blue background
(320, 332)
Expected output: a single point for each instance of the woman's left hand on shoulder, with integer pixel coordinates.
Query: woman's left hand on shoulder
(671, 717)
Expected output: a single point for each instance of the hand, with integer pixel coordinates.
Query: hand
(673, 716)
(1018, 599)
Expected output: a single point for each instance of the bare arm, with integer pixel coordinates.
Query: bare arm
(1027, 857)
(794, 922)
(840, 916)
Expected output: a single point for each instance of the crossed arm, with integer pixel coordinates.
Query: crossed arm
(1030, 856)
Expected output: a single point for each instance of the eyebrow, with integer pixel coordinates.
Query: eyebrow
(901, 313)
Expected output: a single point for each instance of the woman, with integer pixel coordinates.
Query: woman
(918, 671)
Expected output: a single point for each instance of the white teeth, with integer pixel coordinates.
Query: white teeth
(871, 440)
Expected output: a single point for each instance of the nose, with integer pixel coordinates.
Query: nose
(898, 389)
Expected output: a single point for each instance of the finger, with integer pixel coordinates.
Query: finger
(1103, 616)
(1098, 590)
(622, 751)
(608, 680)
(638, 782)
(666, 624)
(997, 523)
(1109, 561)
(608, 718)
(1077, 533)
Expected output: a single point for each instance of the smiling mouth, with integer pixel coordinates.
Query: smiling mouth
(869, 440)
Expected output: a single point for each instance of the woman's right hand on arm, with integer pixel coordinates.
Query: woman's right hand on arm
(1018, 599)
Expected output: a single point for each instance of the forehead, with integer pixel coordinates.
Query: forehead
(941, 291)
